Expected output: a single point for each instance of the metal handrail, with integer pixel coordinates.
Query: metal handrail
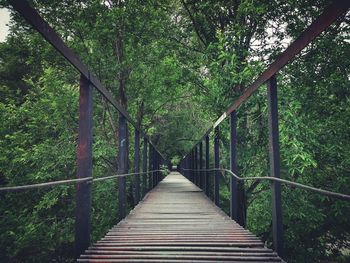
(287, 182)
(69, 181)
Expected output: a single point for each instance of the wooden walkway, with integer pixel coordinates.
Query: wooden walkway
(176, 222)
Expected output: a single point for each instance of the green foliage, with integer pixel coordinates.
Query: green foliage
(175, 65)
(38, 145)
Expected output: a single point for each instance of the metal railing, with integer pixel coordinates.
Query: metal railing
(19, 188)
(152, 158)
(194, 159)
(275, 179)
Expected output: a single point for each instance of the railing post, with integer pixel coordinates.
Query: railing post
(144, 167)
(154, 165)
(187, 166)
(84, 168)
(157, 161)
(233, 167)
(150, 167)
(274, 154)
(195, 165)
(207, 173)
(137, 166)
(201, 165)
(122, 164)
(217, 165)
(191, 166)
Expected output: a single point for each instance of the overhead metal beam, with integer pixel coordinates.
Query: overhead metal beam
(336, 9)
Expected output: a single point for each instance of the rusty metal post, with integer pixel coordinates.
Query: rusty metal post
(144, 167)
(84, 168)
(150, 167)
(217, 165)
(154, 167)
(201, 165)
(157, 161)
(277, 227)
(233, 167)
(187, 166)
(191, 166)
(122, 164)
(207, 173)
(195, 165)
(137, 166)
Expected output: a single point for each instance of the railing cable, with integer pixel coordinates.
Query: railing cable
(287, 182)
(69, 181)
(123, 175)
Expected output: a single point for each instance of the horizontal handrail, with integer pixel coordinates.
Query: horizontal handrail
(69, 181)
(123, 175)
(41, 185)
(269, 178)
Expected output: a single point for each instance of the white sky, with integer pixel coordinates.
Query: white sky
(4, 19)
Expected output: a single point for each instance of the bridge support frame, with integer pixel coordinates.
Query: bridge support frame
(200, 165)
(122, 165)
(234, 198)
(274, 154)
(144, 167)
(137, 167)
(217, 166)
(196, 165)
(207, 173)
(150, 167)
(84, 167)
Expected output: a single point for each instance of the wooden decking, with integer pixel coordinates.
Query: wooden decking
(176, 222)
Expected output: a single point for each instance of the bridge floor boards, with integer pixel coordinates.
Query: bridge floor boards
(176, 222)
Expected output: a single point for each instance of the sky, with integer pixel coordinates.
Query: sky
(4, 19)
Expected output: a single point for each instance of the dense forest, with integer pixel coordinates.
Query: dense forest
(175, 66)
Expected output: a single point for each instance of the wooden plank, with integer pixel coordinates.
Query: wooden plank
(176, 222)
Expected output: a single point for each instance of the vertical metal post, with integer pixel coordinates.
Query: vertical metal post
(187, 166)
(183, 167)
(191, 166)
(207, 173)
(156, 164)
(150, 166)
(233, 168)
(137, 166)
(200, 184)
(122, 164)
(84, 168)
(217, 165)
(144, 167)
(154, 167)
(195, 165)
(277, 226)
(160, 162)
